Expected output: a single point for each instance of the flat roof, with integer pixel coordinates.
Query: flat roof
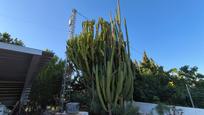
(18, 67)
(22, 49)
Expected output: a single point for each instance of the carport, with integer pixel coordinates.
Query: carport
(18, 67)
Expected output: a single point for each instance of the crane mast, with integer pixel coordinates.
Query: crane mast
(66, 88)
(72, 22)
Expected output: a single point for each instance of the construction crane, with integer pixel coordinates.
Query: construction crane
(72, 21)
(66, 83)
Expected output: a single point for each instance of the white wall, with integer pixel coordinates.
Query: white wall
(146, 108)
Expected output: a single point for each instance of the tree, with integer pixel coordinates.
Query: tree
(151, 76)
(170, 85)
(189, 74)
(6, 38)
(47, 85)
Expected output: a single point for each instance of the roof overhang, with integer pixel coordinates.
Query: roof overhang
(18, 68)
(19, 49)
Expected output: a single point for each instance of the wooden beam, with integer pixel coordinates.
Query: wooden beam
(11, 88)
(9, 98)
(19, 82)
(9, 94)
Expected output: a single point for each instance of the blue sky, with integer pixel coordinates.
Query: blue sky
(170, 31)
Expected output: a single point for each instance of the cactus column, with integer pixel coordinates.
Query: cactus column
(102, 55)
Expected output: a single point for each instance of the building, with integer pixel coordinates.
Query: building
(18, 67)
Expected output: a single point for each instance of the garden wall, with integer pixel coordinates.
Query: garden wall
(147, 108)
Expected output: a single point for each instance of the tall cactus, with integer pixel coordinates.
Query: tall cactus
(104, 59)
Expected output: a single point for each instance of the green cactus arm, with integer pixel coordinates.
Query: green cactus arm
(119, 86)
(126, 31)
(130, 72)
(127, 84)
(103, 88)
(108, 81)
(118, 12)
(99, 89)
(109, 75)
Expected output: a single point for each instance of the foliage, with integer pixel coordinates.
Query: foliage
(150, 77)
(198, 93)
(46, 87)
(6, 37)
(129, 109)
(154, 84)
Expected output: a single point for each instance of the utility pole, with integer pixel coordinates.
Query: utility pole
(190, 96)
